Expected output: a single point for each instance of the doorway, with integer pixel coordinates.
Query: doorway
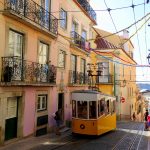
(61, 103)
(11, 118)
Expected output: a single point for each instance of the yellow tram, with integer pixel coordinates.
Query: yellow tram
(93, 113)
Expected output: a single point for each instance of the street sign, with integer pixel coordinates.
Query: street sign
(122, 99)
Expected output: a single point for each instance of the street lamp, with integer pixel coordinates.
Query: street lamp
(93, 71)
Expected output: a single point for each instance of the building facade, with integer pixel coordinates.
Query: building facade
(44, 53)
(117, 71)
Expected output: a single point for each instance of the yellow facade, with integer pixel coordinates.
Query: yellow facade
(121, 72)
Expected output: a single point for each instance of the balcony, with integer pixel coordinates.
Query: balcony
(78, 78)
(30, 12)
(79, 41)
(88, 9)
(18, 71)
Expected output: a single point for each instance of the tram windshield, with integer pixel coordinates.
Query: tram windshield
(82, 109)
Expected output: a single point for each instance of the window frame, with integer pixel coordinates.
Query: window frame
(46, 55)
(41, 108)
(63, 16)
(63, 54)
(15, 43)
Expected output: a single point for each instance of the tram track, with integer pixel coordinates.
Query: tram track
(131, 140)
(70, 140)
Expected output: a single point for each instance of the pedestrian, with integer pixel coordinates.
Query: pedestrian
(148, 121)
(145, 118)
(58, 120)
(134, 117)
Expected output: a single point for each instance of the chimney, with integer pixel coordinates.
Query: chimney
(126, 34)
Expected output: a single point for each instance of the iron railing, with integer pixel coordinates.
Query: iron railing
(34, 12)
(79, 41)
(86, 6)
(78, 78)
(16, 69)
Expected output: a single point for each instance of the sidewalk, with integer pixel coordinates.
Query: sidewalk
(33, 142)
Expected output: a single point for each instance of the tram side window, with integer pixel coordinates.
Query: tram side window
(107, 107)
(113, 106)
(92, 110)
(82, 109)
(73, 108)
(102, 107)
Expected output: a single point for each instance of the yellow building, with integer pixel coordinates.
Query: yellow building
(114, 58)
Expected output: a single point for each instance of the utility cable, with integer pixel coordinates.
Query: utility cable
(112, 20)
(137, 32)
(110, 9)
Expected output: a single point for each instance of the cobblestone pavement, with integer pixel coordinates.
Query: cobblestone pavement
(107, 141)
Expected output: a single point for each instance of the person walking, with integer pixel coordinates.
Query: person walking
(134, 117)
(145, 118)
(58, 121)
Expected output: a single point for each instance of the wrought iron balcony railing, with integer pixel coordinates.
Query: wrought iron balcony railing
(86, 6)
(34, 12)
(79, 41)
(16, 69)
(78, 78)
(104, 79)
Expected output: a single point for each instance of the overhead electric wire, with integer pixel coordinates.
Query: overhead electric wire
(112, 19)
(145, 33)
(124, 7)
(144, 17)
(136, 31)
(133, 65)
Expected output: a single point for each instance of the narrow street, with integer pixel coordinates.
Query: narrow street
(129, 135)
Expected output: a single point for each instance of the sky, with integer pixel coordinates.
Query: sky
(123, 18)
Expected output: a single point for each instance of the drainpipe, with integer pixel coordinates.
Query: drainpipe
(114, 81)
(118, 99)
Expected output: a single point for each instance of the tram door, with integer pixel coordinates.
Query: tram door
(61, 103)
(11, 118)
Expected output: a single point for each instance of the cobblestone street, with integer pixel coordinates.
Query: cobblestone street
(129, 135)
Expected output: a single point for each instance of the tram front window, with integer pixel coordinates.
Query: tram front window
(92, 110)
(82, 109)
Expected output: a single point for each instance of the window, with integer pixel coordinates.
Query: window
(15, 43)
(113, 106)
(104, 67)
(101, 106)
(43, 53)
(11, 109)
(83, 67)
(74, 108)
(84, 34)
(107, 107)
(63, 17)
(74, 68)
(42, 102)
(92, 109)
(45, 4)
(82, 109)
(75, 26)
(73, 62)
(61, 60)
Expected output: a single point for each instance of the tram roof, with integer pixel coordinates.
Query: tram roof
(89, 95)
(86, 91)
